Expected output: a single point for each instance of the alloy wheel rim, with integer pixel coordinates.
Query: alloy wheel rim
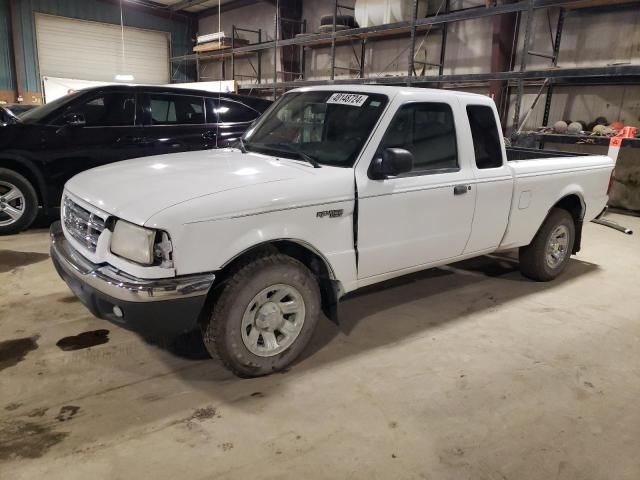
(12, 204)
(273, 320)
(557, 246)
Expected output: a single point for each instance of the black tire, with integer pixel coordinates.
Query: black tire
(222, 331)
(30, 202)
(533, 257)
(347, 20)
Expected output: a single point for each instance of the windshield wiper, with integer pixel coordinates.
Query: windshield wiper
(305, 156)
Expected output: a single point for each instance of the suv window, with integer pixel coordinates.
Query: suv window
(114, 109)
(229, 112)
(176, 109)
(427, 130)
(486, 140)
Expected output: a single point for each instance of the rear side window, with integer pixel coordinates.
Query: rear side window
(427, 130)
(486, 140)
(176, 109)
(107, 110)
(229, 112)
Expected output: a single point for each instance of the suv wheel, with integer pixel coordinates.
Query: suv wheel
(18, 202)
(264, 317)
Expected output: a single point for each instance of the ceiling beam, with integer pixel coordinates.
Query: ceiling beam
(153, 8)
(231, 6)
(185, 4)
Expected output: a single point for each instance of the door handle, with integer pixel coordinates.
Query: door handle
(209, 135)
(131, 140)
(461, 189)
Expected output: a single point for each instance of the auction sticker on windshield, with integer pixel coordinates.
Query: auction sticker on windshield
(352, 99)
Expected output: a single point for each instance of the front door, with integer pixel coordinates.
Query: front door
(97, 130)
(424, 216)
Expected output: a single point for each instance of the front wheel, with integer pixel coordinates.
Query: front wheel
(549, 252)
(18, 202)
(264, 317)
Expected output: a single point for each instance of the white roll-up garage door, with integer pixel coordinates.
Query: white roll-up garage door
(86, 50)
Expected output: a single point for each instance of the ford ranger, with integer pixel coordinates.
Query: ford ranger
(334, 188)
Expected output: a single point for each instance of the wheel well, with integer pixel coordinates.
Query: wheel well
(573, 205)
(26, 172)
(329, 286)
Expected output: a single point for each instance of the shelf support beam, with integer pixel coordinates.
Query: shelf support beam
(412, 41)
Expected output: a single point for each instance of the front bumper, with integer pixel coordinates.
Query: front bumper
(168, 305)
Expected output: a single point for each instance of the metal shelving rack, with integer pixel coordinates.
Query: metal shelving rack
(516, 78)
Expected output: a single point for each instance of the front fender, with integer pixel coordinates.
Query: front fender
(212, 244)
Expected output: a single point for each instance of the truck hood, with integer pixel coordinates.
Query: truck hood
(136, 190)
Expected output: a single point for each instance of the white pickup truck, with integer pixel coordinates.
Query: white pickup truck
(332, 189)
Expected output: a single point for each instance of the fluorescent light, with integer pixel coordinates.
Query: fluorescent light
(124, 78)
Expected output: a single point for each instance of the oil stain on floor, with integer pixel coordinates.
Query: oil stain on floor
(83, 340)
(10, 259)
(20, 439)
(14, 351)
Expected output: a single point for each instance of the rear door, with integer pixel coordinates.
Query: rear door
(424, 216)
(233, 118)
(175, 123)
(494, 179)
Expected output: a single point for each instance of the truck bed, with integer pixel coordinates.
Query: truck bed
(521, 153)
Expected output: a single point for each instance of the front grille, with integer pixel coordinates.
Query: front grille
(82, 225)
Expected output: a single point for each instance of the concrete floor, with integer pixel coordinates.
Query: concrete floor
(465, 372)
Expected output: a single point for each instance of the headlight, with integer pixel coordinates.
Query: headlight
(133, 242)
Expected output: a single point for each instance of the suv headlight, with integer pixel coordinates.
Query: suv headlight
(137, 243)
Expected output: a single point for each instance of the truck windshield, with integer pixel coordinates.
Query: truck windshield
(328, 127)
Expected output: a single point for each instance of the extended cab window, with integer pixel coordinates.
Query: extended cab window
(427, 130)
(486, 140)
(107, 110)
(176, 109)
(229, 112)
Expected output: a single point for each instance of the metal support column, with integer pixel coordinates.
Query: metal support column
(412, 41)
(333, 41)
(233, 60)
(275, 51)
(556, 51)
(523, 65)
(18, 51)
(301, 51)
(443, 46)
(363, 48)
(259, 73)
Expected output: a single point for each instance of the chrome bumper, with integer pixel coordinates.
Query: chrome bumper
(118, 285)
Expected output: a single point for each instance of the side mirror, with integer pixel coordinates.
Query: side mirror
(75, 120)
(393, 162)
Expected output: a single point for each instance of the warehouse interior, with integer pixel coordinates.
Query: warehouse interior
(467, 370)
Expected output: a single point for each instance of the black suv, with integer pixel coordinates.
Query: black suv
(92, 127)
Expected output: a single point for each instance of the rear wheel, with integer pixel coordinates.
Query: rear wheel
(549, 252)
(264, 317)
(18, 202)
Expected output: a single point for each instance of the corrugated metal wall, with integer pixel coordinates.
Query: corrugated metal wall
(7, 81)
(179, 27)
